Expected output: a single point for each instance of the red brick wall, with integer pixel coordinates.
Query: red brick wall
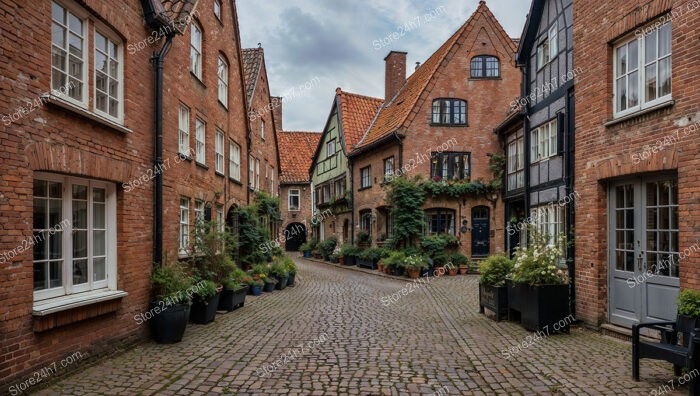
(303, 216)
(604, 152)
(264, 149)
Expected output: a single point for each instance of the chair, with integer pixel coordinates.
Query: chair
(680, 354)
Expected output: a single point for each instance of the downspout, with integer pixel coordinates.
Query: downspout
(158, 60)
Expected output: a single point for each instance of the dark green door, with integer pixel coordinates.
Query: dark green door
(480, 231)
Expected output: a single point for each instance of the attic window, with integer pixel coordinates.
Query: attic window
(485, 67)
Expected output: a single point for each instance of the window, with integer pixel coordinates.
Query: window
(294, 200)
(196, 50)
(200, 136)
(449, 112)
(184, 225)
(251, 172)
(107, 77)
(485, 67)
(222, 74)
(366, 177)
(234, 161)
(219, 149)
(68, 54)
(198, 211)
(388, 168)
(74, 236)
(267, 174)
(642, 71)
(366, 221)
(184, 130)
(272, 180)
(257, 174)
(220, 222)
(516, 163)
(439, 221)
(549, 220)
(217, 9)
(544, 141)
(326, 193)
(549, 48)
(262, 129)
(330, 148)
(339, 188)
(449, 165)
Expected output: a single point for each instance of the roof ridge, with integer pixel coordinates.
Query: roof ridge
(361, 96)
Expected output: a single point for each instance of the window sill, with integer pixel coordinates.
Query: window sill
(184, 157)
(364, 188)
(432, 124)
(201, 165)
(65, 105)
(484, 78)
(48, 307)
(232, 180)
(615, 121)
(219, 174)
(199, 80)
(225, 107)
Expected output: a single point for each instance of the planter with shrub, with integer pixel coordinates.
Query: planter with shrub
(327, 247)
(235, 290)
(689, 309)
(493, 293)
(415, 265)
(369, 258)
(348, 254)
(460, 261)
(291, 270)
(281, 274)
(205, 302)
(171, 306)
(307, 248)
(254, 285)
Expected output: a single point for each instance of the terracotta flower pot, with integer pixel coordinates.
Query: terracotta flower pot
(341, 260)
(439, 271)
(453, 271)
(414, 274)
(380, 267)
(463, 269)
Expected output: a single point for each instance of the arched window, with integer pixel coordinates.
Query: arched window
(484, 66)
(449, 112)
(196, 49)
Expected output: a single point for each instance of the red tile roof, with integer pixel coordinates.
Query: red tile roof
(395, 114)
(357, 114)
(296, 151)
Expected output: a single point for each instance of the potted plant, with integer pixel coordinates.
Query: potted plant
(306, 249)
(171, 306)
(327, 247)
(414, 265)
(281, 275)
(254, 285)
(270, 283)
(539, 288)
(460, 261)
(493, 293)
(291, 270)
(689, 309)
(364, 238)
(234, 292)
(369, 258)
(347, 254)
(205, 302)
(393, 262)
(439, 261)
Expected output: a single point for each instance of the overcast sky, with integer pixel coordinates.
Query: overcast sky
(325, 44)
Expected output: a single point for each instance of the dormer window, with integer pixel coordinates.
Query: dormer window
(485, 67)
(449, 112)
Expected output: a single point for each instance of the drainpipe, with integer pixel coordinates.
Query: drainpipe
(158, 60)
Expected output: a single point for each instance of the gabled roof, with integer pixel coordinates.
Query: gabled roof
(396, 113)
(296, 150)
(253, 59)
(357, 113)
(529, 35)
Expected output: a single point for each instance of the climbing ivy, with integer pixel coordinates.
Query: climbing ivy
(406, 198)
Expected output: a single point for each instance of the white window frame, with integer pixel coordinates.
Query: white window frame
(217, 9)
(549, 219)
(251, 171)
(257, 174)
(516, 163)
(642, 102)
(201, 141)
(234, 160)
(548, 49)
(222, 76)
(272, 180)
(184, 130)
(292, 194)
(219, 151)
(331, 148)
(196, 49)
(111, 39)
(83, 15)
(198, 211)
(67, 289)
(184, 240)
(543, 142)
(262, 129)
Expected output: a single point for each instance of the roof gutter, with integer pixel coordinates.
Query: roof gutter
(384, 140)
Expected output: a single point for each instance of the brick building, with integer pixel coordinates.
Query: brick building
(296, 151)
(349, 118)
(439, 123)
(637, 158)
(76, 176)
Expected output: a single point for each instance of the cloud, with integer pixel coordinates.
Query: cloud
(332, 41)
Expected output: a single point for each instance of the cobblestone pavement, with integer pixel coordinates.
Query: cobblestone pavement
(429, 341)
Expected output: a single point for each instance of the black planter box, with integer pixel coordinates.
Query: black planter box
(290, 281)
(282, 283)
(232, 299)
(269, 287)
(366, 264)
(168, 326)
(204, 312)
(350, 260)
(539, 307)
(495, 298)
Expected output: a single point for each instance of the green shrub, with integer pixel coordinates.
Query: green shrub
(458, 259)
(364, 237)
(348, 250)
(327, 247)
(289, 264)
(212, 251)
(279, 270)
(259, 269)
(416, 263)
(371, 254)
(406, 198)
(308, 246)
(494, 270)
(689, 303)
(204, 290)
(395, 259)
(235, 279)
(434, 246)
(539, 263)
(171, 283)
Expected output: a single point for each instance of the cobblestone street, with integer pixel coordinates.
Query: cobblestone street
(430, 340)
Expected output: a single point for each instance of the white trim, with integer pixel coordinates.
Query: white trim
(120, 74)
(75, 301)
(72, 8)
(291, 194)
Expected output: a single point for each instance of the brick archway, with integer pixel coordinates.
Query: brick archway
(60, 158)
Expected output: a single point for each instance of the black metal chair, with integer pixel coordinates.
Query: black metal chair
(679, 352)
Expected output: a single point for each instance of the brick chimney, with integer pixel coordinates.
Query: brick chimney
(395, 75)
(277, 111)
